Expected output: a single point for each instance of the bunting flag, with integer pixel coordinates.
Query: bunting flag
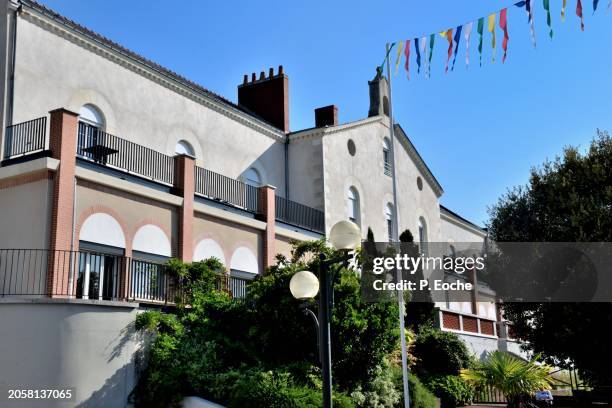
(457, 41)
(449, 37)
(548, 19)
(563, 10)
(432, 41)
(407, 54)
(423, 46)
(491, 29)
(595, 4)
(399, 55)
(579, 14)
(468, 34)
(529, 7)
(480, 31)
(503, 24)
(418, 55)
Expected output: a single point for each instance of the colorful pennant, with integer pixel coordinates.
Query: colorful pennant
(468, 34)
(407, 54)
(480, 32)
(399, 55)
(548, 19)
(418, 55)
(503, 24)
(432, 41)
(491, 29)
(579, 14)
(423, 48)
(449, 37)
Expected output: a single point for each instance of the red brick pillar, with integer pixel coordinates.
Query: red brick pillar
(267, 213)
(184, 182)
(62, 143)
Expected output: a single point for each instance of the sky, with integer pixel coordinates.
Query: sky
(480, 130)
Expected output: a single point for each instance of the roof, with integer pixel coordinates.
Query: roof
(137, 57)
(455, 215)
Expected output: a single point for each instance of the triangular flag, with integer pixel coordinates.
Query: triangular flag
(563, 10)
(423, 47)
(491, 29)
(400, 46)
(407, 54)
(503, 24)
(418, 55)
(579, 14)
(548, 19)
(595, 4)
(468, 34)
(480, 30)
(457, 41)
(449, 37)
(432, 41)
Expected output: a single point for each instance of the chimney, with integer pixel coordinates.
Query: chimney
(267, 97)
(326, 116)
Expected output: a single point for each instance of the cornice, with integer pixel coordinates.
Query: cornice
(460, 223)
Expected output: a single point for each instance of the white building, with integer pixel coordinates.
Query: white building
(112, 163)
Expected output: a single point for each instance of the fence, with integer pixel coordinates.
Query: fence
(25, 138)
(238, 287)
(489, 395)
(103, 148)
(299, 215)
(226, 190)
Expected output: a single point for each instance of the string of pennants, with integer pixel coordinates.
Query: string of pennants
(423, 47)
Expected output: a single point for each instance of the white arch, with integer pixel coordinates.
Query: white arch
(244, 260)
(92, 115)
(208, 248)
(152, 240)
(102, 228)
(184, 147)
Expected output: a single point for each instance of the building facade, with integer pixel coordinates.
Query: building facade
(111, 164)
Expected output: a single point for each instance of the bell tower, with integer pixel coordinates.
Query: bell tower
(379, 95)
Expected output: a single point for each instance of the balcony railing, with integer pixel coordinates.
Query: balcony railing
(25, 138)
(103, 148)
(299, 215)
(226, 190)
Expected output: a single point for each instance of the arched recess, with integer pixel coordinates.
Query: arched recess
(244, 260)
(184, 147)
(208, 248)
(101, 228)
(151, 239)
(84, 97)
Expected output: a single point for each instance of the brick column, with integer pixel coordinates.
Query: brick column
(267, 213)
(184, 182)
(62, 143)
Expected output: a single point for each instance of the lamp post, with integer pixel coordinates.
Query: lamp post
(344, 236)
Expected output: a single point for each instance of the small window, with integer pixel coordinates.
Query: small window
(351, 147)
(184, 147)
(387, 156)
(420, 183)
(353, 205)
(92, 116)
(252, 177)
(423, 236)
(389, 219)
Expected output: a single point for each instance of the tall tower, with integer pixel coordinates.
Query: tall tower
(379, 95)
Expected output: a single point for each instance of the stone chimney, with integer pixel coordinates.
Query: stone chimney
(267, 97)
(379, 95)
(326, 116)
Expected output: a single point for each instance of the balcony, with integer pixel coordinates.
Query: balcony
(299, 215)
(25, 139)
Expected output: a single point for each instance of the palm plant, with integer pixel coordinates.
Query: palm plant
(516, 379)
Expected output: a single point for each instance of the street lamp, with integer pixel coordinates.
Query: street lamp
(345, 236)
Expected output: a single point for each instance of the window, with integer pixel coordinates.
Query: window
(353, 206)
(252, 177)
(351, 147)
(387, 156)
(423, 236)
(390, 221)
(184, 147)
(92, 116)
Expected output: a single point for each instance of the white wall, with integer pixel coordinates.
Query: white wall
(86, 346)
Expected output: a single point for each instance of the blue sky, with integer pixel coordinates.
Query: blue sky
(479, 130)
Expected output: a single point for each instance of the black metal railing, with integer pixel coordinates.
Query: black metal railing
(299, 215)
(226, 190)
(83, 275)
(25, 138)
(100, 147)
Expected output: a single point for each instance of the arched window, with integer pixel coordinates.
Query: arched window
(252, 177)
(386, 105)
(208, 248)
(184, 147)
(389, 219)
(353, 206)
(387, 156)
(92, 116)
(423, 235)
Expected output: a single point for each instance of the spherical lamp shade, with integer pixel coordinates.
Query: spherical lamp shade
(345, 235)
(304, 285)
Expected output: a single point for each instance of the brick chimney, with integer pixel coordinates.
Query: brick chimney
(326, 116)
(267, 97)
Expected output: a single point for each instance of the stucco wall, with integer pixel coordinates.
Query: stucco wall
(24, 215)
(479, 346)
(454, 232)
(305, 166)
(52, 345)
(53, 72)
(131, 211)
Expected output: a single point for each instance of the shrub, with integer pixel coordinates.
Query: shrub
(420, 396)
(452, 390)
(440, 353)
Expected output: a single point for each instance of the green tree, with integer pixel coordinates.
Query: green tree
(440, 353)
(513, 377)
(566, 200)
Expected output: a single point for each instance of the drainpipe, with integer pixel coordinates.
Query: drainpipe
(287, 167)
(11, 90)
